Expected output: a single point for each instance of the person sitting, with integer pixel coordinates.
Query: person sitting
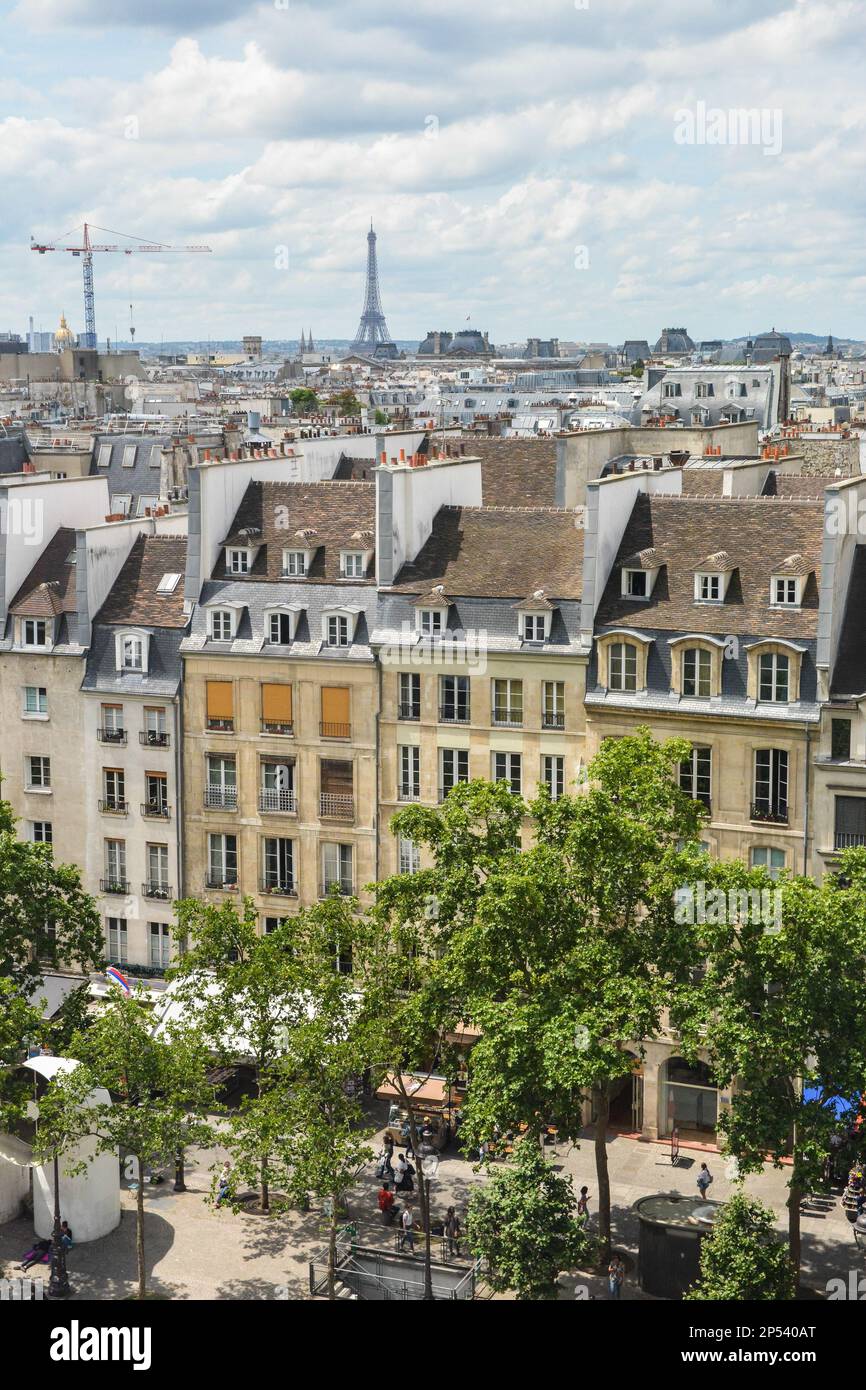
(39, 1254)
(65, 1235)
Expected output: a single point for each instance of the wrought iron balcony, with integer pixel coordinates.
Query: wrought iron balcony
(343, 886)
(156, 810)
(153, 738)
(409, 710)
(221, 798)
(280, 887)
(406, 791)
(331, 730)
(454, 714)
(772, 815)
(277, 726)
(220, 726)
(155, 888)
(111, 735)
(507, 718)
(336, 806)
(113, 806)
(277, 802)
(552, 721)
(845, 839)
(227, 881)
(118, 886)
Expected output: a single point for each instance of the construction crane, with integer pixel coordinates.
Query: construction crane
(86, 248)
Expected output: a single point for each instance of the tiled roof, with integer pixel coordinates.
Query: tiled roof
(499, 552)
(702, 482)
(758, 534)
(133, 597)
(795, 485)
(274, 513)
(515, 472)
(49, 588)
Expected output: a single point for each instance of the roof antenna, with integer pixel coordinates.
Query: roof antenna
(131, 328)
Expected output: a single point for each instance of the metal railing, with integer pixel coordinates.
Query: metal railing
(337, 806)
(507, 718)
(281, 887)
(220, 726)
(153, 738)
(155, 888)
(277, 726)
(221, 798)
(407, 792)
(764, 811)
(332, 730)
(272, 800)
(111, 735)
(409, 710)
(156, 810)
(120, 886)
(454, 714)
(227, 882)
(844, 839)
(552, 721)
(113, 806)
(343, 886)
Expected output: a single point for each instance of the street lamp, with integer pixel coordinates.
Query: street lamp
(429, 1168)
(58, 1283)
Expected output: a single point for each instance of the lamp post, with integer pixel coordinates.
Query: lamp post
(58, 1283)
(179, 1183)
(429, 1168)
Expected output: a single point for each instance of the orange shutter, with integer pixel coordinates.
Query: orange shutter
(219, 700)
(335, 704)
(277, 704)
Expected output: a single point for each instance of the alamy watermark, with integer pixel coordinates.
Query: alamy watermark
(738, 125)
(22, 516)
(449, 648)
(696, 904)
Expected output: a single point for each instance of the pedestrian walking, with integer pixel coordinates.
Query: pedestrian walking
(223, 1183)
(705, 1177)
(615, 1276)
(407, 1233)
(386, 1204)
(453, 1231)
(583, 1206)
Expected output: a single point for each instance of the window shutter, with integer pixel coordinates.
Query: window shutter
(219, 700)
(335, 704)
(277, 704)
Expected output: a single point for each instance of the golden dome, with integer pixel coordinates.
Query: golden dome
(63, 338)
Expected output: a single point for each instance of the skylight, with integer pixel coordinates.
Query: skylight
(168, 584)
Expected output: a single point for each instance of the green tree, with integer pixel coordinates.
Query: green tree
(638, 367)
(20, 1025)
(347, 403)
(47, 918)
(159, 1097)
(741, 1259)
(305, 401)
(522, 1224)
(380, 417)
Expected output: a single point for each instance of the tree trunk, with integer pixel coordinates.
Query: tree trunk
(265, 1196)
(139, 1232)
(332, 1247)
(795, 1197)
(601, 1100)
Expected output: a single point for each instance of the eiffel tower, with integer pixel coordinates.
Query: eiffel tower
(372, 338)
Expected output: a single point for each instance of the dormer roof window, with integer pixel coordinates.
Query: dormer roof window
(639, 574)
(223, 621)
(787, 582)
(338, 626)
(353, 564)
(712, 577)
(239, 559)
(534, 615)
(131, 651)
(281, 623)
(431, 612)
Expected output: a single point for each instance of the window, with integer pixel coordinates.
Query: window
(840, 739)
(771, 785)
(786, 592)
(157, 872)
(409, 764)
(553, 774)
(120, 503)
(155, 734)
(116, 939)
(622, 666)
(221, 791)
(159, 937)
(773, 677)
(534, 627)
(270, 924)
(635, 583)
(506, 768)
(336, 789)
(454, 699)
(131, 653)
(221, 625)
(115, 867)
(335, 712)
(277, 786)
(34, 632)
(337, 629)
(222, 861)
(35, 700)
(697, 668)
(704, 390)
(671, 388)
(696, 774)
(168, 583)
(43, 833)
(553, 704)
(237, 561)
(773, 860)
(354, 565)
(409, 856)
(507, 702)
(453, 768)
(337, 868)
(850, 822)
(276, 708)
(294, 563)
(37, 773)
(279, 629)
(156, 795)
(113, 789)
(111, 728)
(708, 588)
(431, 620)
(128, 458)
(278, 863)
(104, 457)
(220, 706)
(410, 696)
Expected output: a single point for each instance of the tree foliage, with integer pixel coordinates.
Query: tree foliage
(741, 1258)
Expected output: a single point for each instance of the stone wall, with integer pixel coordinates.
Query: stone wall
(824, 456)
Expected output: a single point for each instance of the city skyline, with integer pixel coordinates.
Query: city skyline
(533, 171)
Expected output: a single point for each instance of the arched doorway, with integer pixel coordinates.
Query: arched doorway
(626, 1100)
(688, 1099)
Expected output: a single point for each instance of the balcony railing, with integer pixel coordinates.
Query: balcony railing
(845, 839)
(153, 738)
(443, 791)
(280, 887)
(155, 888)
(409, 710)
(507, 718)
(227, 881)
(271, 800)
(111, 735)
(407, 792)
(119, 886)
(156, 810)
(342, 885)
(772, 815)
(331, 730)
(277, 726)
(337, 806)
(220, 726)
(113, 806)
(221, 798)
(453, 714)
(552, 721)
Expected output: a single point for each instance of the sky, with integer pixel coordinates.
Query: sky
(565, 168)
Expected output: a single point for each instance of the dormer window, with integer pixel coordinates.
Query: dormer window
(785, 592)
(639, 574)
(34, 632)
(238, 560)
(294, 564)
(337, 628)
(708, 588)
(279, 629)
(221, 625)
(534, 627)
(634, 583)
(353, 564)
(130, 651)
(431, 621)
(773, 677)
(712, 577)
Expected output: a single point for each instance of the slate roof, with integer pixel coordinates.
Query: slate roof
(758, 533)
(142, 452)
(274, 512)
(312, 599)
(49, 588)
(498, 552)
(133, 597)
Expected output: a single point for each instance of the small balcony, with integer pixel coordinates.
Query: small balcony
(408, 710)
(768, 814)
(220, 726)
(844, 839)
(274, 802)
(227, 881)
(116, 736)
(113, 806)
(552, 721)
(331, 730)
(278, 887)
(453, 714)
(342, 885)
(336, 806)
(157, 890)
(153, 738)
(507, 718)
(116, 886)
(156, 810)
(221, 798)
(284, 727)
(443, 791)
(407, 791)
